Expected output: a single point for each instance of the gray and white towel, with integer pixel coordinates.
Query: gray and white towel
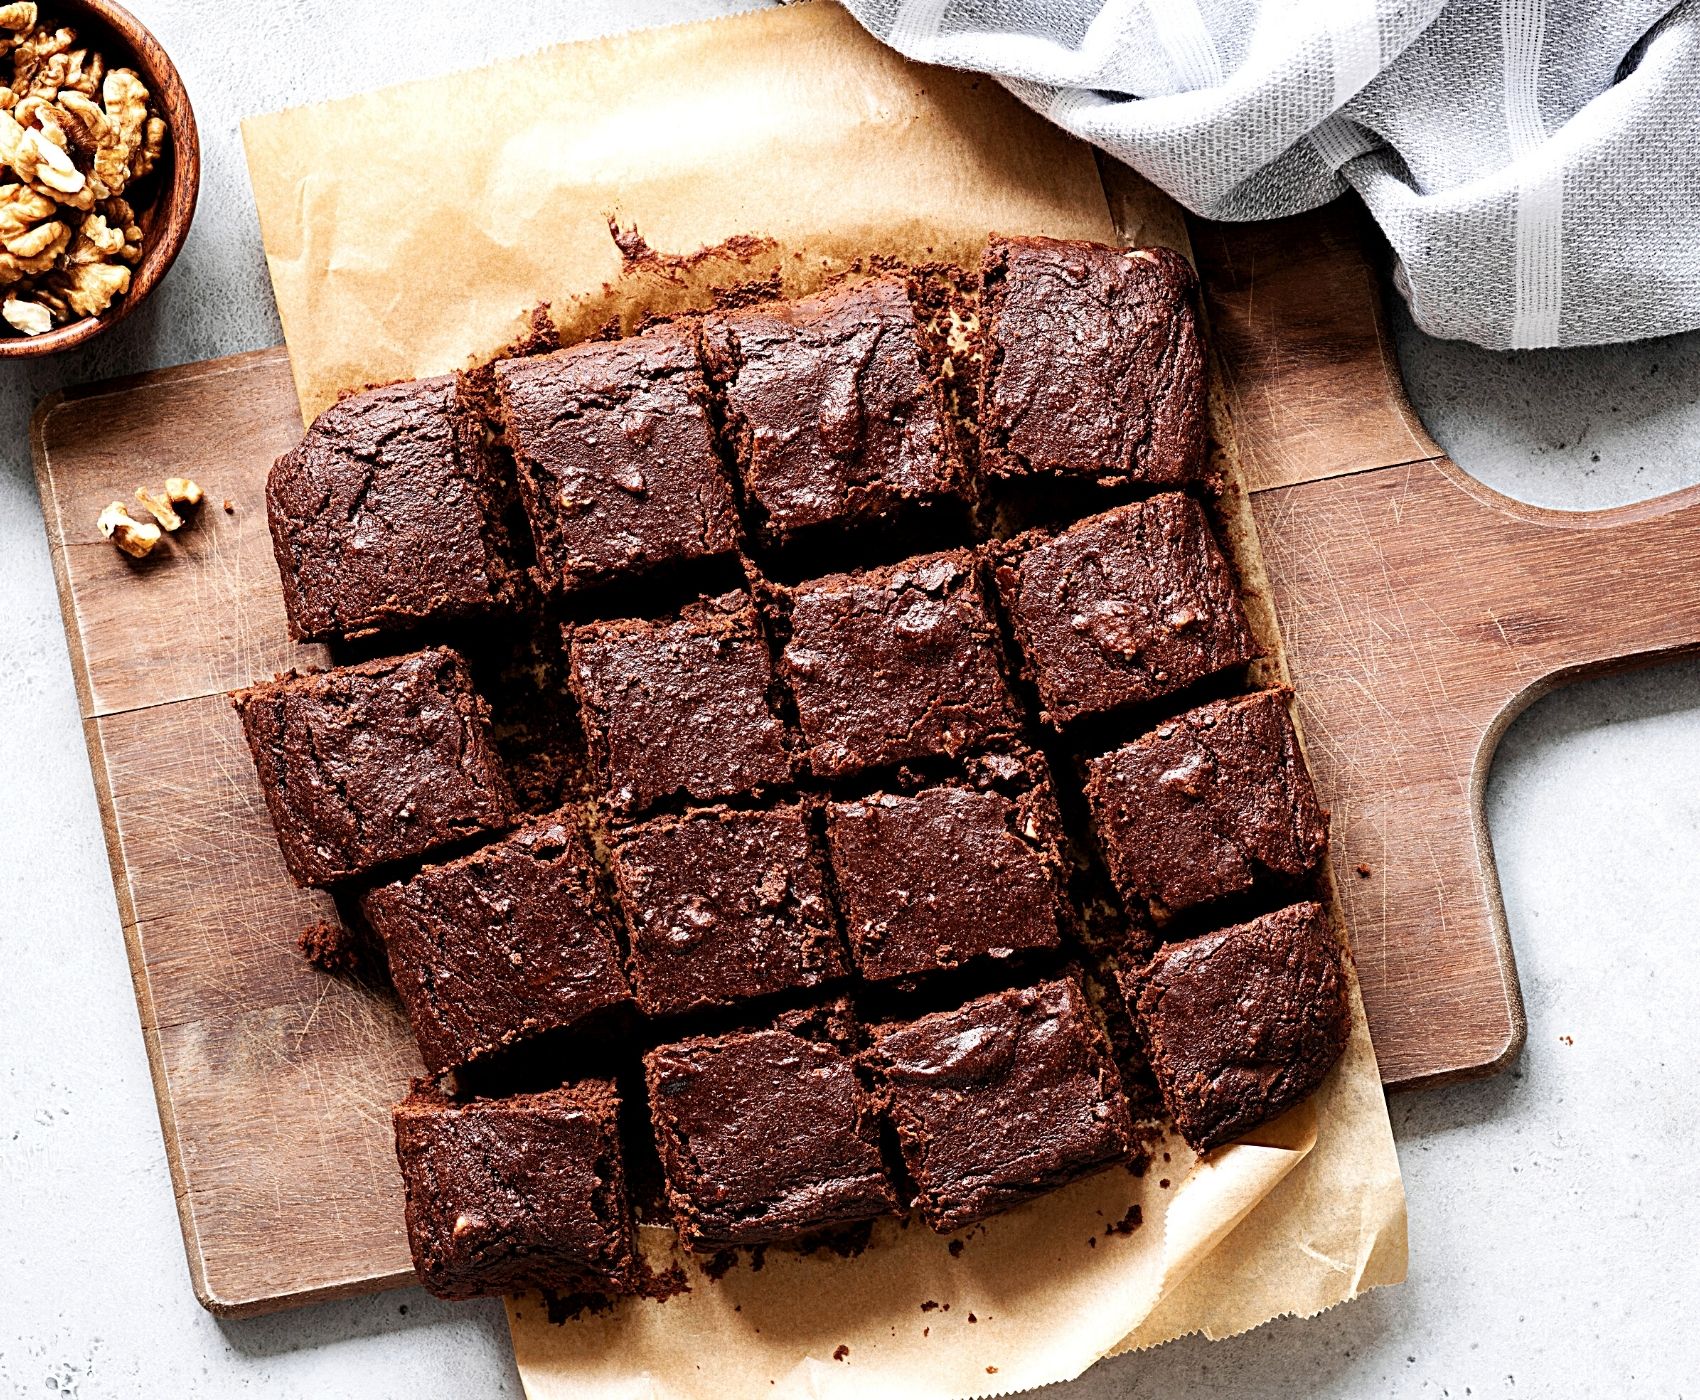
(1535, 164)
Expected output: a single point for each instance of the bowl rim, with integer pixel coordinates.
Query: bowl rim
(175, 207)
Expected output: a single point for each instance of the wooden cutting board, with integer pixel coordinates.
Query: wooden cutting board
(1421, 612)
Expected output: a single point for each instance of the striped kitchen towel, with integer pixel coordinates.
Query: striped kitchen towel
(1535, 164)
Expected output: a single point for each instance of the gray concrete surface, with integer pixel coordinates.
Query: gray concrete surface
(1553, 1209)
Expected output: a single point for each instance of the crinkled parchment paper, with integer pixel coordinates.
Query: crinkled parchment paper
(407, 238)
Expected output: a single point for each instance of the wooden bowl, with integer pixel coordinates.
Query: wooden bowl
(169, 191)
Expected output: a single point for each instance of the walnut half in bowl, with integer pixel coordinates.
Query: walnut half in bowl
(99, 170)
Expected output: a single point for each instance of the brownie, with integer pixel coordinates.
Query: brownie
(1092, 365)
(523, 673)
(1107, 991)
(723, 905)
(515, 1193)
(1208, 804)
(766, 1135)
(389, 514)
(830, 410)
(506, 943)
(363, 765)
(1243, 1023)
(1123, 607)
(679, 708)
(1000, 1100)
(893, 664)
(953, 873)
(616, 458)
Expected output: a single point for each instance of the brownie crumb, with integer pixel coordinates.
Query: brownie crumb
(956, 1249)
(229, 507)
(563, 1308)
(929, 1306)
(840, 1351)
(1137, 1166)
(1163, 1185)
(663, 1284)
(1364, 872)
(332, 948)
(972, 1318)
(1130, 1222)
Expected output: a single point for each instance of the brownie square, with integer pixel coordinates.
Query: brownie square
(511, 941)
(722, 906)
(388, 514)
(1208, 804)
(363, 765)
(616, 459)
(766, 1135)
(680, 707)
(1092, 364)
(1003, 1099)
(1243, 1023)
(515, 1193)
(1123, 607)
(951, 874)
(831, 411)
(892, 664)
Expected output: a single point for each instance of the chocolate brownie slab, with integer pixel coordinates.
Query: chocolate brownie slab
(1093, 367)
(364, 765)
(515, 1193)
(1123, 607)
(723, 905)
(511, 941)
(950, 874)
(1001, 1100)
(388, 514)
(616, 459)
(766, 1135)
(1243, 1023)
(1208, 804)
(679, 708)
(893, 664)
(831, 412)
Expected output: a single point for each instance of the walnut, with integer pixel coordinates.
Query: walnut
(75, 135)
(160, 508)
(30, 317)
(183, 491)
(136, 538)
(38, 162)
(31, 239)
(88, 288)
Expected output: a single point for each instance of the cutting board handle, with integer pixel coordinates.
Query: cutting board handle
(1581, 592)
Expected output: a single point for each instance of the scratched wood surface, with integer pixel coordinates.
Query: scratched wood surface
(1420, 612)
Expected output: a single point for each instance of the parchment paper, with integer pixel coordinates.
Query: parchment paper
(405, 239)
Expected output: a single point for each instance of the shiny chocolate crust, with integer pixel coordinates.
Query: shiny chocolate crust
(1093, 367)
(679, 708)
(831, 413)
(722, 906)
(615, 456)
(766, 1135)
(893, 664)
(364, 765)
(1208, 804)
(1003, 1099)
(951, 874)
(506, 943)
(389, 514)
(1122, 608)
(1243, 1023)
(509, 1194)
